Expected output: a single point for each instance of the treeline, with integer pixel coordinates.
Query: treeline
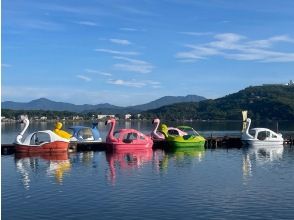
(262, 102)
(273, 102)
(51, 115)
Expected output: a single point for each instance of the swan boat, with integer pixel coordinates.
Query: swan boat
(86, 134)
(190, 139)
(39, 141)
(158, 135)
(127, 138)
(259, 136)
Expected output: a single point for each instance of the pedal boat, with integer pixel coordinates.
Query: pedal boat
(39, 141)
(260, 136)
(158, 135)
(127, 138)
(86, 134)
(191, 139)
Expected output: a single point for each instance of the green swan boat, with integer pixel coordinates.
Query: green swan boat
(191, 139)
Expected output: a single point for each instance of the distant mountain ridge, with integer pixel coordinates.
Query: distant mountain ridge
(105, 108)
(268, 102)
(168, 100)
(47, 104)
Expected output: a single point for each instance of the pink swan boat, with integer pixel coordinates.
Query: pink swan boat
(127, 138)
(156, 135)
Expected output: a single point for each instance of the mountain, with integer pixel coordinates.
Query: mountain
(273, 102)
(46, 104)
(168, 100)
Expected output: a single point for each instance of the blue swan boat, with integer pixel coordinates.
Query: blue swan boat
(86, 134)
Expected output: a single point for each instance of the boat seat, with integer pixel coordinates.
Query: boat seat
(127, 141)
(186, 137)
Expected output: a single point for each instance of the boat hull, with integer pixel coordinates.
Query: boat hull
(186, 141)
(53, 147)
(262, 143)
(179, 144)
(124, 146)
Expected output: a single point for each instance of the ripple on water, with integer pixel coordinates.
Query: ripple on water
(219, 184)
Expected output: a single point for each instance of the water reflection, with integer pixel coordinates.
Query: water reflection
(28, 164)
(179, 156)
(260, 155)
(126, 159)
(86, 158)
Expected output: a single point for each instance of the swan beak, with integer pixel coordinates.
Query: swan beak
(106, 122)
(153, 121)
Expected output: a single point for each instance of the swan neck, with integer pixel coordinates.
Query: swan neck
(20, 135)
(248, 126)
(110, 133)
(156, 127)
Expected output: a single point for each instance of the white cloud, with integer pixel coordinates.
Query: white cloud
(132, 83)
(135, 83)
(133, 65)
(267, 43)
(120, 41)
(87, 23)
(116, 52)
(41, 25)
(238, 47)
(85, 78)
(128, 29)
(131, 29)
(5, 65)
(98, 72)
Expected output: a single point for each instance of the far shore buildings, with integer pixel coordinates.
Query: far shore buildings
(128, 116)
(100, 117)
(290, 83)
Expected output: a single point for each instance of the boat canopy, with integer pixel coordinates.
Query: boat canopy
(189, 130)
(40, 137)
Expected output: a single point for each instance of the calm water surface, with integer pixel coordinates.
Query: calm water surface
(246, 183)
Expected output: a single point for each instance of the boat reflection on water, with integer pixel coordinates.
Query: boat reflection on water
(261, 155)
(179, 156)
(127, 159)
(53, 164)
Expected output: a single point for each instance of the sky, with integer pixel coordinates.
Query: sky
(131, 52)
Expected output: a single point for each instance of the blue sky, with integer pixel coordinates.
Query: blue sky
(132, 52)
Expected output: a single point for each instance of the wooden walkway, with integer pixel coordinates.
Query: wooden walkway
(211, 143)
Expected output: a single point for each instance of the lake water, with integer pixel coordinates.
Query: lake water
(239, 183)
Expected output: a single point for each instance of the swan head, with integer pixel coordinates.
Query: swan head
(164, 129)
(23, 118)
(156, 120)
(111, 120)
(58, 125)
(94, 124)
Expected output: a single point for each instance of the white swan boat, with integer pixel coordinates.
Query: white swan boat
(39, 141)
(259, 136)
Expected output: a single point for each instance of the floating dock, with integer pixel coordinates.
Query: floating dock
(211, 143)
